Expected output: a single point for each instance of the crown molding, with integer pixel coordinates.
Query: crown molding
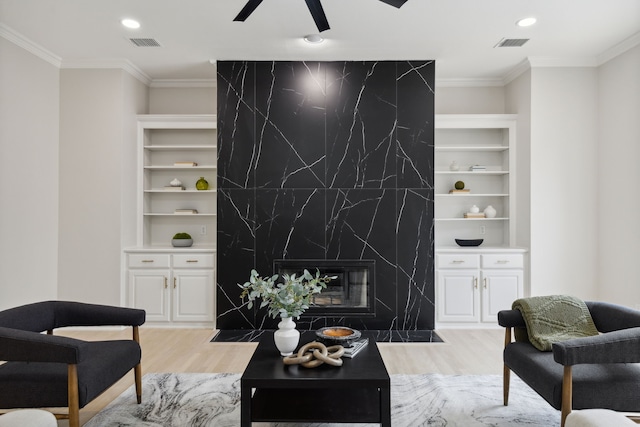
(553, 62)
(619, 49)
(522, 67)
(183, 83)
(469, 82)
(122, 64)
(29, 45)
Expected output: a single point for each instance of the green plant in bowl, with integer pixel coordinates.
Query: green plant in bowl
(183, 240)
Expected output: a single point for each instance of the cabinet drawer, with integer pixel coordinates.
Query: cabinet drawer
(148, 261)
(193, 261)
(502, 261)
(457, 261)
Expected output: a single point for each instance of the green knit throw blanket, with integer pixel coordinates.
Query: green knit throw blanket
(555, 318)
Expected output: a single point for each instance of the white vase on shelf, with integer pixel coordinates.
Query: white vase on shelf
(454, 166)
(286, 336)
(490, 212)
(474, 209)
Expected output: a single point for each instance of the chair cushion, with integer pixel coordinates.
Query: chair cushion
(41, 384)
(609, 386)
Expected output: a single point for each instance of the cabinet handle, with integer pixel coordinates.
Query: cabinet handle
(457, 261)
(192, 260)
(485, 282)
(475, 282)
(147, 260)
(174, 282)
(502, 261)
(165, 282)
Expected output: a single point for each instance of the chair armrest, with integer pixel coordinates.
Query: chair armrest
(621, 346)
(610, 317)
(27, 346)
(68, 313)
(511, 319)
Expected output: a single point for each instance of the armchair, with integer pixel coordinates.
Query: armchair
(601, 371)
(44, 370)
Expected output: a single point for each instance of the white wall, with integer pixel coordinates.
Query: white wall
(187, 100)
(564, 183)
(29, 115)
(95, 140)
(619, 176)
(469, 100)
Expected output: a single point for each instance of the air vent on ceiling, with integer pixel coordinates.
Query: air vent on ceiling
(145, 42)
(511, 42)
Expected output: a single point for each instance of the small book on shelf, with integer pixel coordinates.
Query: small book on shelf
(356, 347)
(465, 191)
(478, 168)
(186, 211)
(474, 215)
(185, 164)
(173, 188)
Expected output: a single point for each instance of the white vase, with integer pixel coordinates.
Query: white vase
(490, 212)
(287, 336)
(474, 209)
(454, 166)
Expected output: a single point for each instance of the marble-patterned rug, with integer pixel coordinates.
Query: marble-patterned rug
(194, 400)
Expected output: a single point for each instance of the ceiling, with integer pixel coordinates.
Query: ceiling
(459, 34)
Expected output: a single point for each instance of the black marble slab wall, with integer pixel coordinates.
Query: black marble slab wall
(327, 160)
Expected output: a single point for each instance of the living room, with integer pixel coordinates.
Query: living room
(69, 132)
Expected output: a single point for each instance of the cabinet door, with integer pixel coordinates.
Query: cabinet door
(193, 295)
(499, 289)
(148, 290)
(458, 295)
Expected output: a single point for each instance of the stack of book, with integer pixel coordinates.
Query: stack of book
(186, 211)
(173, 188)
(355, 348)
(185, 164)
(465, 191)
(474, 215)
(476, 168)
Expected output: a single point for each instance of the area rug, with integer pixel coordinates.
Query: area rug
(434, 400)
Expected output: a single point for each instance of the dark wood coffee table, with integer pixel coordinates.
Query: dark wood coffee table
(357, 392)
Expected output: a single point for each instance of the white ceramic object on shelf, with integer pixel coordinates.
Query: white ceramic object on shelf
(286, 337)
(176, 182)
(490, 212)
(474, 209)
(454, 166)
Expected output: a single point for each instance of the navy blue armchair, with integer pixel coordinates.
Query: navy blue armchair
(45, 370)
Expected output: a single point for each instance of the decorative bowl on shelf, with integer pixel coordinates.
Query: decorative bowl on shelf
(341, 335)
(469, 242)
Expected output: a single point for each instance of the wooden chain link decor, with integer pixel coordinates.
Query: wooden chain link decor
(320, 354)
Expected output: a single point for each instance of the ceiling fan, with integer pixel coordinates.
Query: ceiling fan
(315, 7)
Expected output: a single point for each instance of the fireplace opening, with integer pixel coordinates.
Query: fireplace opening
(350, 294)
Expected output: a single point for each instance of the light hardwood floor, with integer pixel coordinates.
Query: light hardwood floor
(469, 351)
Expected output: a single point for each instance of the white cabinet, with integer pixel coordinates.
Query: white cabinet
(182, 148)
(173, 287)
(472, 286)
(487, 141)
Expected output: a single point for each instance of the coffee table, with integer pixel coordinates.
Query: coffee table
(357, 392)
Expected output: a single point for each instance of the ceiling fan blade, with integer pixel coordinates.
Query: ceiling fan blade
(318, 14)
(247, 10)
(394, 3)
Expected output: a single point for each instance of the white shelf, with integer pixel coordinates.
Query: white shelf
(171, 167)
(487, 172)
(178, 215)
(185, 191)
(466, 148)
(179, 147)
(470, 219)
(473, 195)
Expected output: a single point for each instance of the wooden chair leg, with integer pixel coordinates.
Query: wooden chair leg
(567, 394)
(73, 397)
(137, 371)
(506, 372)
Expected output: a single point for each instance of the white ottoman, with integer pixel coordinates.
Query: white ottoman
(28, 418)
(597, 418)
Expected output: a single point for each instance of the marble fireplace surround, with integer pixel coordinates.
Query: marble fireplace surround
(327, 161)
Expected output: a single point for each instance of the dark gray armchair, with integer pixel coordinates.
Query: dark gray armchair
(594, 372)
(44, 370)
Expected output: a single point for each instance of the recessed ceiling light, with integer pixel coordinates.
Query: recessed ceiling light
(130, 23)
(313, 38)
(526, 22)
